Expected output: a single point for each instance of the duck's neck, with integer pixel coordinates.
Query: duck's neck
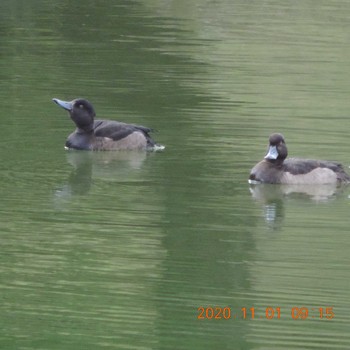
(85, 129)
(276, 162)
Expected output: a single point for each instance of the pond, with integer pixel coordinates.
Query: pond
(173, 249)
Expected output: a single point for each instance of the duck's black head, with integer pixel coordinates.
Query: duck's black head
(81, 112)
(277, 151)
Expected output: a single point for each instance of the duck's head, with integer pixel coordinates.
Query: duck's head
(81, 112)
(277, 151)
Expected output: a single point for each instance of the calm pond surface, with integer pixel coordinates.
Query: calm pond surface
(121, 250)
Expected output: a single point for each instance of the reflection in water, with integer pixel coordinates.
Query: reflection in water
(87, 166)
(272, 197)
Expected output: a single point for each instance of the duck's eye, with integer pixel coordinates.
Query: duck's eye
(81, 106)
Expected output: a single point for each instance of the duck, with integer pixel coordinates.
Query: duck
(276, 168)
(103, 135)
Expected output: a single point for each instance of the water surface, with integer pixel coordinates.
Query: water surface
(119, 250)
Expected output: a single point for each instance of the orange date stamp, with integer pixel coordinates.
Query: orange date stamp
(269, 313)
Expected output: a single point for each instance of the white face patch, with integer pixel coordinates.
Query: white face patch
(318, 176)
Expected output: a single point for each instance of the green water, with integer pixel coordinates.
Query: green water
(119, 250)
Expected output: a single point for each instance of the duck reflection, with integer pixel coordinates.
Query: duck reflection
(89, 166)
(272, 197)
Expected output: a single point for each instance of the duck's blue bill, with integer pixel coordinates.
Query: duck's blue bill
(272, 153)
(64, 104)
